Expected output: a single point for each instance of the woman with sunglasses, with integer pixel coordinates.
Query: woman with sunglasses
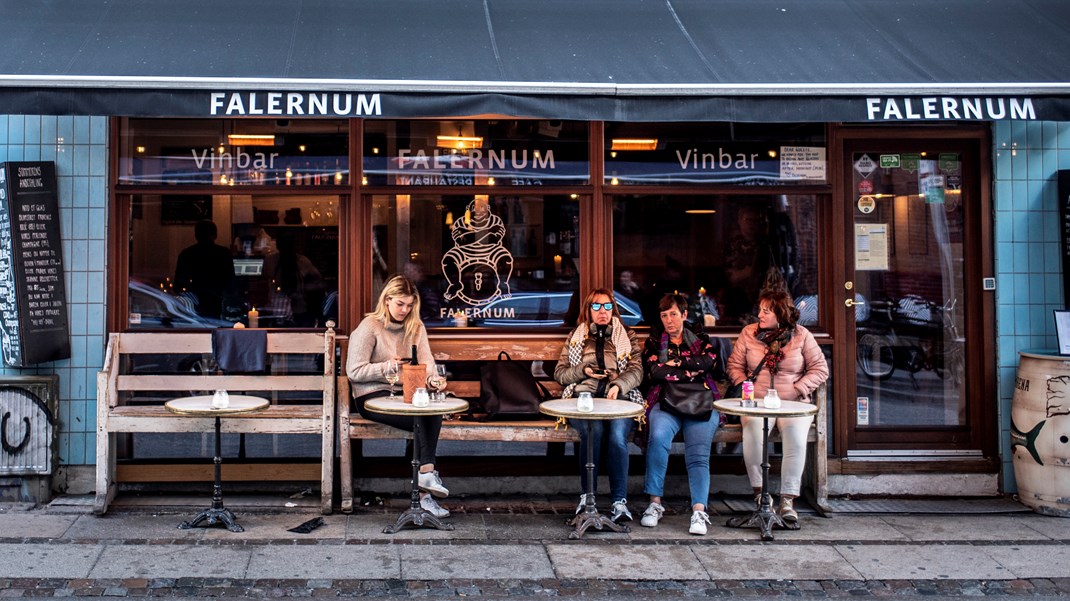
(601, 357)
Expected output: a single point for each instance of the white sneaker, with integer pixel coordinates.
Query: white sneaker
(583, 503)
(652, 515)
(620, 512)
(430, 482)
(430, 505)
(699, 519)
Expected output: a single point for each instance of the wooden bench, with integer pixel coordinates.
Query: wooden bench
(353, 428)
(132, 402)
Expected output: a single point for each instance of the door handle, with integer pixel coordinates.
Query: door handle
(850, 302)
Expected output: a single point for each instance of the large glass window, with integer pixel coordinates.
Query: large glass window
(207, 261)
(719, 250)
(715, 153)
(496, 261)
(475, 153)
(233, 152)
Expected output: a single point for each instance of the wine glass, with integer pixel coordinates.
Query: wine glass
(438, 381)
(393, 373)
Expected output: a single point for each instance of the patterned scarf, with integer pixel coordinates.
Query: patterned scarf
(619, 336)
(775, 339)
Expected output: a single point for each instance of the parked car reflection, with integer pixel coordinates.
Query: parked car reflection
(153, 308)
(532, 310)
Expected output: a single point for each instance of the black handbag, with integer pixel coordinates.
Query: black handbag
(687, 399)
(507, 390)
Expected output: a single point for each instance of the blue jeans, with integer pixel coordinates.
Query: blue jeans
(698, 439)
(618, 432)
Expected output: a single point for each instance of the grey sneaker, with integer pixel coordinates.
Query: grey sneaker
(620, 512)
(652, 515)
(583, 503)
(430, 505)
(699, 519)
(430, 482)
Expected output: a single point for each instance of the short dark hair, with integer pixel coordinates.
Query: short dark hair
(673, 300)
(205, 231)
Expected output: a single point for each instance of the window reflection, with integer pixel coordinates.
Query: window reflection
(718, 250)
(201, 261)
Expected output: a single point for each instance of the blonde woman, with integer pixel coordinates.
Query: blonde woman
(384, 335)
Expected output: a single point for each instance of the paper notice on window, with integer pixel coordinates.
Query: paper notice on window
(862, 403)
(871, 247)
(802, 162)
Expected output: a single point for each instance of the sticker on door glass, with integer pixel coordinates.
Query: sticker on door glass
(871, 247)
(863, 410)
(865, 165)
(866, 204)
(889, 161)
(865, 187)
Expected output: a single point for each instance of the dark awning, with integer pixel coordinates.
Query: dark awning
(636, 60)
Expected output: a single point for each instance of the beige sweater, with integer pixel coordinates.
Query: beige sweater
(374, 343)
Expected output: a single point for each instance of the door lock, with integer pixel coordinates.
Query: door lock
(850, 302)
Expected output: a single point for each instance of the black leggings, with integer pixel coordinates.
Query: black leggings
(430, 425)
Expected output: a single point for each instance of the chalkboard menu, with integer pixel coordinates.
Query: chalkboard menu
(1064, 235)
(33, 299)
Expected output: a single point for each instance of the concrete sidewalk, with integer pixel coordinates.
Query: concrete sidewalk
(508, 548)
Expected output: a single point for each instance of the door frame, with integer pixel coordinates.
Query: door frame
(978, 306)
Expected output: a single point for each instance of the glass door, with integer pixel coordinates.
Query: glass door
(908, 260)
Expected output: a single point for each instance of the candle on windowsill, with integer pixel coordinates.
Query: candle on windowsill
(557, 264)
(254, 318)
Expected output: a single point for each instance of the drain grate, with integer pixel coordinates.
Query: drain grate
(965, 506)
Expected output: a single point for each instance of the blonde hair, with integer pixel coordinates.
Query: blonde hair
(395, 287)
(585, 308)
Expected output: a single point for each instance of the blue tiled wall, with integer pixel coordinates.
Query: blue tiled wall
(1028, 264)
(79, 146)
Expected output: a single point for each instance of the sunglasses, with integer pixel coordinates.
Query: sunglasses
(599, 306)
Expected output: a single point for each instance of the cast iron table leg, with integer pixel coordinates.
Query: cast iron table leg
(216, 514)
(415, 514)
(764, 518)
(590, 517)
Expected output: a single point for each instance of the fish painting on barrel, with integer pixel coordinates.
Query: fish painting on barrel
(1057, 410)
(1040, 433)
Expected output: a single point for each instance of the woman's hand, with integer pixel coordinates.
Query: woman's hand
(590, 372)
(612, 392)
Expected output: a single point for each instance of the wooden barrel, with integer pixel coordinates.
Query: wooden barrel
(1040, 432)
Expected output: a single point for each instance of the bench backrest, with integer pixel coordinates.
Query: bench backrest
(176, 343)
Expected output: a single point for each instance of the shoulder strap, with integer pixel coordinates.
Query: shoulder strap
(761, 364)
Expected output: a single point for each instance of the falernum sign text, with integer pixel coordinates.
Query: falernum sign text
(949, 108)
(294, 104)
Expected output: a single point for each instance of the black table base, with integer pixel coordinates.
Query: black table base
(416, 514)
(590, 517)
(765, 518)
(216, 514)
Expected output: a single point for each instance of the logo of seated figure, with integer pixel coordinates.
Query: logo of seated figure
(479, 266)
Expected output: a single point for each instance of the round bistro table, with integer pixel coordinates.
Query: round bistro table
(764, 517)
(415, 514)
(201, 406)
(603, 409)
